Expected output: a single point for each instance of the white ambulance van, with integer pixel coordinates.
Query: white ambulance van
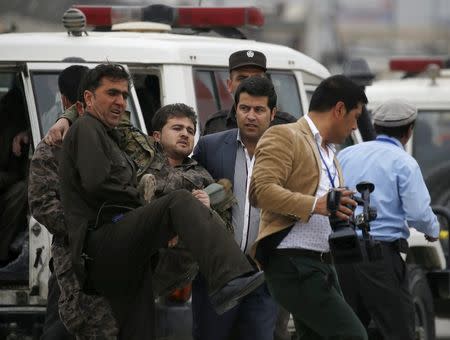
(166, 67)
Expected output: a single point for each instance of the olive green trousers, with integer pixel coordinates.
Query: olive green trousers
(309, 289)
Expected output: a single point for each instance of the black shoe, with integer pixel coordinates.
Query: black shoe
(17, 270)
(16, 245)
(229, 295)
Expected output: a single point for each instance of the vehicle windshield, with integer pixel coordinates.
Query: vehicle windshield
(48, 99)
(431, 141)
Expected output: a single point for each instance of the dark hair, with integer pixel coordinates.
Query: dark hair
(259, 87)
(173, 110)
(81, 88)
(69, 81)
(393, 131)
(112, 71)
(73, 60)
(336, 89)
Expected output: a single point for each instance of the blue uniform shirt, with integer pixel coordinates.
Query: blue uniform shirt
(400, 196)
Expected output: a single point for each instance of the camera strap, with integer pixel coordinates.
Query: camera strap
(331, 178)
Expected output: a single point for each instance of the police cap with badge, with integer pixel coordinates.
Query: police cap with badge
(247, 58)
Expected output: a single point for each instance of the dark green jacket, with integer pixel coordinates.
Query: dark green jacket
(93, 171)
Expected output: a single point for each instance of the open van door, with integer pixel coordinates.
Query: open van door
(30, 104)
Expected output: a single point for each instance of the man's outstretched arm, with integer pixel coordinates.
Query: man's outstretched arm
(43, 190)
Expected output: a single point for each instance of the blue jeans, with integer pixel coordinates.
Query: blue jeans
(253, 318)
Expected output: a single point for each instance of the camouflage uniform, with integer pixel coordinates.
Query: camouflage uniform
(189, 175)
(138, 146)
(96, 320)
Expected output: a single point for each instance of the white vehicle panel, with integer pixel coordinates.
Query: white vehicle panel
(159, 48)
(420, 91)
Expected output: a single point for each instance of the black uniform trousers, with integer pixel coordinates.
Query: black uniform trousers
(13, 211)
(120, 267)
(379, 291)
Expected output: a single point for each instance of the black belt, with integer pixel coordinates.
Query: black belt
(400, 245)
(316, 255)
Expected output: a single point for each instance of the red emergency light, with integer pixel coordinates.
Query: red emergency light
(182, 17)
(219, 17)
(414, 65)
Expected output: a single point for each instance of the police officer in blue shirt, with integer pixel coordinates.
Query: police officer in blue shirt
(378, 290)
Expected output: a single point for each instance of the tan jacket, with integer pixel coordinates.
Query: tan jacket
(285, 177)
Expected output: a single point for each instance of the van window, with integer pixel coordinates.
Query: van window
(48, 99)
(6, 79)
(208, 100)
(148, 90)
(431, 140)
(226, 99)
(287, 93)
(309, 94)
(212, 94)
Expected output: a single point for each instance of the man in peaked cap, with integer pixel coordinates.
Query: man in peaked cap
(242, 64)
(378, 290)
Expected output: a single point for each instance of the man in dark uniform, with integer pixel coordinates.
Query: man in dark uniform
(112, 235)
(242, 64)
(13, 168)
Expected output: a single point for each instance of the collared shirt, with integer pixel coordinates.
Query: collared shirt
(314, 234)
(245, 218)
(400, 196)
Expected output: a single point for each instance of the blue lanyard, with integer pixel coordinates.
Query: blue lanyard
(386, 140)
(326, 167)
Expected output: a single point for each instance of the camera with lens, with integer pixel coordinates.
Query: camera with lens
(345, 245)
